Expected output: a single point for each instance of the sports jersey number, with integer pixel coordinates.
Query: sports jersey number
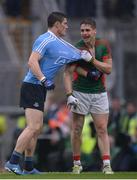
(63, 60)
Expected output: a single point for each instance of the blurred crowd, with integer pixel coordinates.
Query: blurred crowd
(54, 152)
(111, 8)
(17, 9)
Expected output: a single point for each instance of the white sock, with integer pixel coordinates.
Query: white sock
(106, 162)
(77, 162)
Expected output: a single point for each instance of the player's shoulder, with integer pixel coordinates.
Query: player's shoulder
(101, 41)
(46, 35)
(44, 39)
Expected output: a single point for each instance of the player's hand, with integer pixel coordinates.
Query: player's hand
(86, 56)
(49, 85)
(72, 101)
(94, 74)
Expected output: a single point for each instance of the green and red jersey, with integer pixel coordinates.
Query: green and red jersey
(102, 53)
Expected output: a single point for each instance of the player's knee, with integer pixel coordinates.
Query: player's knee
(101, 131)
(35, 130)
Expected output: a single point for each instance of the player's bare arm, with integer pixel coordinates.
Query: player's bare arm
(81, 71)
(69, 69)
(71, 100)
(33, 64)
(105, 67)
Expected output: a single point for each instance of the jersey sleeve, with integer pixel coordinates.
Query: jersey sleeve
(106, 51)
(39, 47)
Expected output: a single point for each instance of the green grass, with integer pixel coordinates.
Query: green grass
(87, 175)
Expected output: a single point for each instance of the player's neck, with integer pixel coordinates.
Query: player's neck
(54, 31)
(91, 43)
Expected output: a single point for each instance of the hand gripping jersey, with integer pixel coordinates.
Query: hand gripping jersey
(102, 53)
(55, 53)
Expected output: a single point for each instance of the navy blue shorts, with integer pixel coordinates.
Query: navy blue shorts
(32, 96)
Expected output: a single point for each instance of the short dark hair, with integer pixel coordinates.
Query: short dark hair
(54, 17)
(89, 21)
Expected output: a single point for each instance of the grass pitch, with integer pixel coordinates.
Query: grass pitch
(59, 175)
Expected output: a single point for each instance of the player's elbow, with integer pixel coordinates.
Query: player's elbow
(109, 70)
(30, 63)
(108, 67)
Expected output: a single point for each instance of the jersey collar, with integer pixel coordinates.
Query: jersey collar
(52, 33)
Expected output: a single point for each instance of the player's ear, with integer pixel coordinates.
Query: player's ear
(57, 23)
(95, 32)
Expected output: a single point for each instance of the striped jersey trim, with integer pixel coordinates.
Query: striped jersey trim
(51, 38)
(45, 42)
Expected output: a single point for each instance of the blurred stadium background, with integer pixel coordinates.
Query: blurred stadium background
(20, 23)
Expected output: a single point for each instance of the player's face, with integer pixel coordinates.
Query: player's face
(87, 33)
(62, 27)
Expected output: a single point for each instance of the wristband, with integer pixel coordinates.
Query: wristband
(92, 60)
(43, 78)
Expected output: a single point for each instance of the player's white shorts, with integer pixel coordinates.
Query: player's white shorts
(91, 103)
